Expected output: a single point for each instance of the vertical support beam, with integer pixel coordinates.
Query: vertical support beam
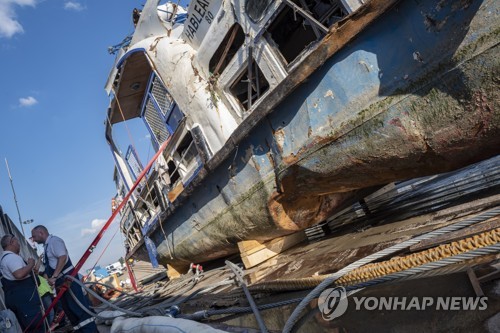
(250, 76)
(475, 282)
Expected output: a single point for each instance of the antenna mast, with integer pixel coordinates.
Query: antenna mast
(15, 198)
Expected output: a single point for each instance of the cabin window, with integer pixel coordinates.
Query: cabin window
(250, 85)
(160, 112)
(184, 160)
(135, 236)
(188, 152)
(119, 184)
(130, 227)
(227, 49)
(303, 22)
(256, 9)
(129, 220)
(174, 118)
(173, 172)
(133, 162)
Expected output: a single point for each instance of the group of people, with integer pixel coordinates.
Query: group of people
(22, 285)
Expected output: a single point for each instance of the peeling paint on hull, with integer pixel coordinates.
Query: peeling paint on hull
(370, 115)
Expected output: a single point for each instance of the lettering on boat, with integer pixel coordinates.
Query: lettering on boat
(199, 20)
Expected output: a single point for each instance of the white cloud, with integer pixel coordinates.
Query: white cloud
(73, 5)
(9, 26)
(27, 101)
(88, 232)
(94, 226)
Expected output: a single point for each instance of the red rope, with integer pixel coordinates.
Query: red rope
(96, 240)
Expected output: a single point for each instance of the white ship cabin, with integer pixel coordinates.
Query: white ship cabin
(193, 76)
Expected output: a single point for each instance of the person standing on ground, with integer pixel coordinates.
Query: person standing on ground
(57, 266)
(19, 285)
(45, 292)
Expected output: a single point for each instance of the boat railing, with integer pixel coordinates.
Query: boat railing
(125, 43)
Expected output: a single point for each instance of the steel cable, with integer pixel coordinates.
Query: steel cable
(390, 250)
(93, 293)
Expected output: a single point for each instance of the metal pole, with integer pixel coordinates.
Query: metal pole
(131, 275)
(249, 76)
(15, 199)
(306, 15)
(33, 274)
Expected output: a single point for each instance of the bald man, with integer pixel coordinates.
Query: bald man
(57, 266)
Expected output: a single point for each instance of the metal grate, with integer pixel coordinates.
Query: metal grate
(161, 95)
(155, 123)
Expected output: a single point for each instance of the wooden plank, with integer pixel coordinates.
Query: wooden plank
(250, 246)
(475, 282)
(490, 224)
(258, 273)
(175, 272)
(272, 248)
(174, 193)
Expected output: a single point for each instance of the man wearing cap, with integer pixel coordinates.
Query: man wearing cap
(19, 286)
(57, 265)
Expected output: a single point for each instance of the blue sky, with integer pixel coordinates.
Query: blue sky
(54, 64)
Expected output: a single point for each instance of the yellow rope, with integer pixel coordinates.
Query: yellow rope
(394, 265)
(397, 264)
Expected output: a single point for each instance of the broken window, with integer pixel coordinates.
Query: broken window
(120, 185)
(184, 161)
(134, 165)
(188, 152)
(227, 49)
(301, 23)
(128, 219)
(130, 226)
(173, 172)
(256, 9)
(250, 85)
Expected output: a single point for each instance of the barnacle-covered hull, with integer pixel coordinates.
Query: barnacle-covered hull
(411, 91)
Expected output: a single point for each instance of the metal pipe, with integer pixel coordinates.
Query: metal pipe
(249, 77)
(306, 15)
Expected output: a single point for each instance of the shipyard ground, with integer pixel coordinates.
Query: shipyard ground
(332, 252)
(430, 261)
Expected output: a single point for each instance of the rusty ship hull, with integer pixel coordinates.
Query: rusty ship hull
(393, 91)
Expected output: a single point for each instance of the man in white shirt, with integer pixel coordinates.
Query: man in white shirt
(20, 288)
(57, 265)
